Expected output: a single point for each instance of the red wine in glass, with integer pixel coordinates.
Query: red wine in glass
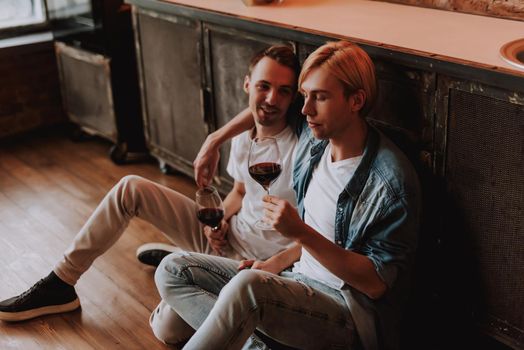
(264, 166)
(265, 173)
(210, 209)
(210, 216)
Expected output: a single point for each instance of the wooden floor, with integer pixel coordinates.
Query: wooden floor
(48, 188)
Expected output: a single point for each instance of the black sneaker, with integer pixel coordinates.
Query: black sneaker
(44, 298)
(153, 253)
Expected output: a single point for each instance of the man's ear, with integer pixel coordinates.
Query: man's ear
(358, 99)
(247, 81)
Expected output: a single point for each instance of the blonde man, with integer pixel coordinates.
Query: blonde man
(358, 198)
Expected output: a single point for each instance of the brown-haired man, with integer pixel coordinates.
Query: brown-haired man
(271, 85)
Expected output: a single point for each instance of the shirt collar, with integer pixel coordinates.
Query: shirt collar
(359, 178)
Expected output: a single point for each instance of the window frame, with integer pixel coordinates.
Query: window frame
(28, 28)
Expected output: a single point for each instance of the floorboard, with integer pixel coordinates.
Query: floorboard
(49, 186)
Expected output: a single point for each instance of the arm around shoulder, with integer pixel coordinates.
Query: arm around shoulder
(206, 161)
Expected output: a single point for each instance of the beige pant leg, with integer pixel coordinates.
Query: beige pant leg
(171, 212)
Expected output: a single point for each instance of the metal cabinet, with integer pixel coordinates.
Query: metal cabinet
(481, 160)
(192, 77)
(86, 89)
(405, 106)
(170, 64)
(97, 67)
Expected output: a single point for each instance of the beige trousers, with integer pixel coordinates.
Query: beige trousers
(171, 212)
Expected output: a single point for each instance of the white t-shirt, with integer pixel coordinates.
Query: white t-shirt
(244, 237)
(320, 204)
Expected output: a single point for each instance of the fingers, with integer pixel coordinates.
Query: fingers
(214, 235)
(245, 264)
(269, 208)
(203, 175)
(258, 265)
(272, 206)
(205, 163)
(218, 245)
(270, 199)
(253, 264)
(273, 202)
(276, 210)
(217, 238)
(212, 168)
(219, 233)
(198, 168)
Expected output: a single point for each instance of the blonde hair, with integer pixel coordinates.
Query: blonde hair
(350, 65)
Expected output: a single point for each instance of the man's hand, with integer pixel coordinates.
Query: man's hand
(268, 265)
(217, 238)
(283, 216)
(206, 162)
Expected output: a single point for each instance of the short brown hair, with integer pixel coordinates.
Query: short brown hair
(350, 65)
(280, 53)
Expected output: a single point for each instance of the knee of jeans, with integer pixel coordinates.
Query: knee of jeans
(170, 273)
(168, 327)
(157, 326)
(246, 281)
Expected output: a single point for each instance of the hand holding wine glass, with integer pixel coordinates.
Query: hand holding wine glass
(264, 166)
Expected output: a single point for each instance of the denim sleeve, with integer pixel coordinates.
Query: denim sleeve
(392, 240)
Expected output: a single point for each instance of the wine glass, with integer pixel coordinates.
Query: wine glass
(210, 209)
(264, 166)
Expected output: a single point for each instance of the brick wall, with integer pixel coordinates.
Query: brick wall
(510, 9)
(29, 88)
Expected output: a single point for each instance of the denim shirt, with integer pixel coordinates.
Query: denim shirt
(378, 215)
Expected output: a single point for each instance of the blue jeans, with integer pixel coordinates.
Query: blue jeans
(225, 305)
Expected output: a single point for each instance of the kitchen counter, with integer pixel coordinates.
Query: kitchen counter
(449, 36)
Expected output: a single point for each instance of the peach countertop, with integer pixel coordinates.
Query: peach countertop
(456, 37)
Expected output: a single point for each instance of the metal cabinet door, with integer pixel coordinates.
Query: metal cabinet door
(85, 80)
(228, 53)
(171, 85)
(481, 147)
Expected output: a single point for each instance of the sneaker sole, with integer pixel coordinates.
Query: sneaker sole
(157, 246)
(46, 310)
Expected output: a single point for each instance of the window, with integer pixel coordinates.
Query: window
(19, 13)
(59, 9)
(18, 17)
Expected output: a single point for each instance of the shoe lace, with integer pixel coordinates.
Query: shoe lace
(28, 293)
